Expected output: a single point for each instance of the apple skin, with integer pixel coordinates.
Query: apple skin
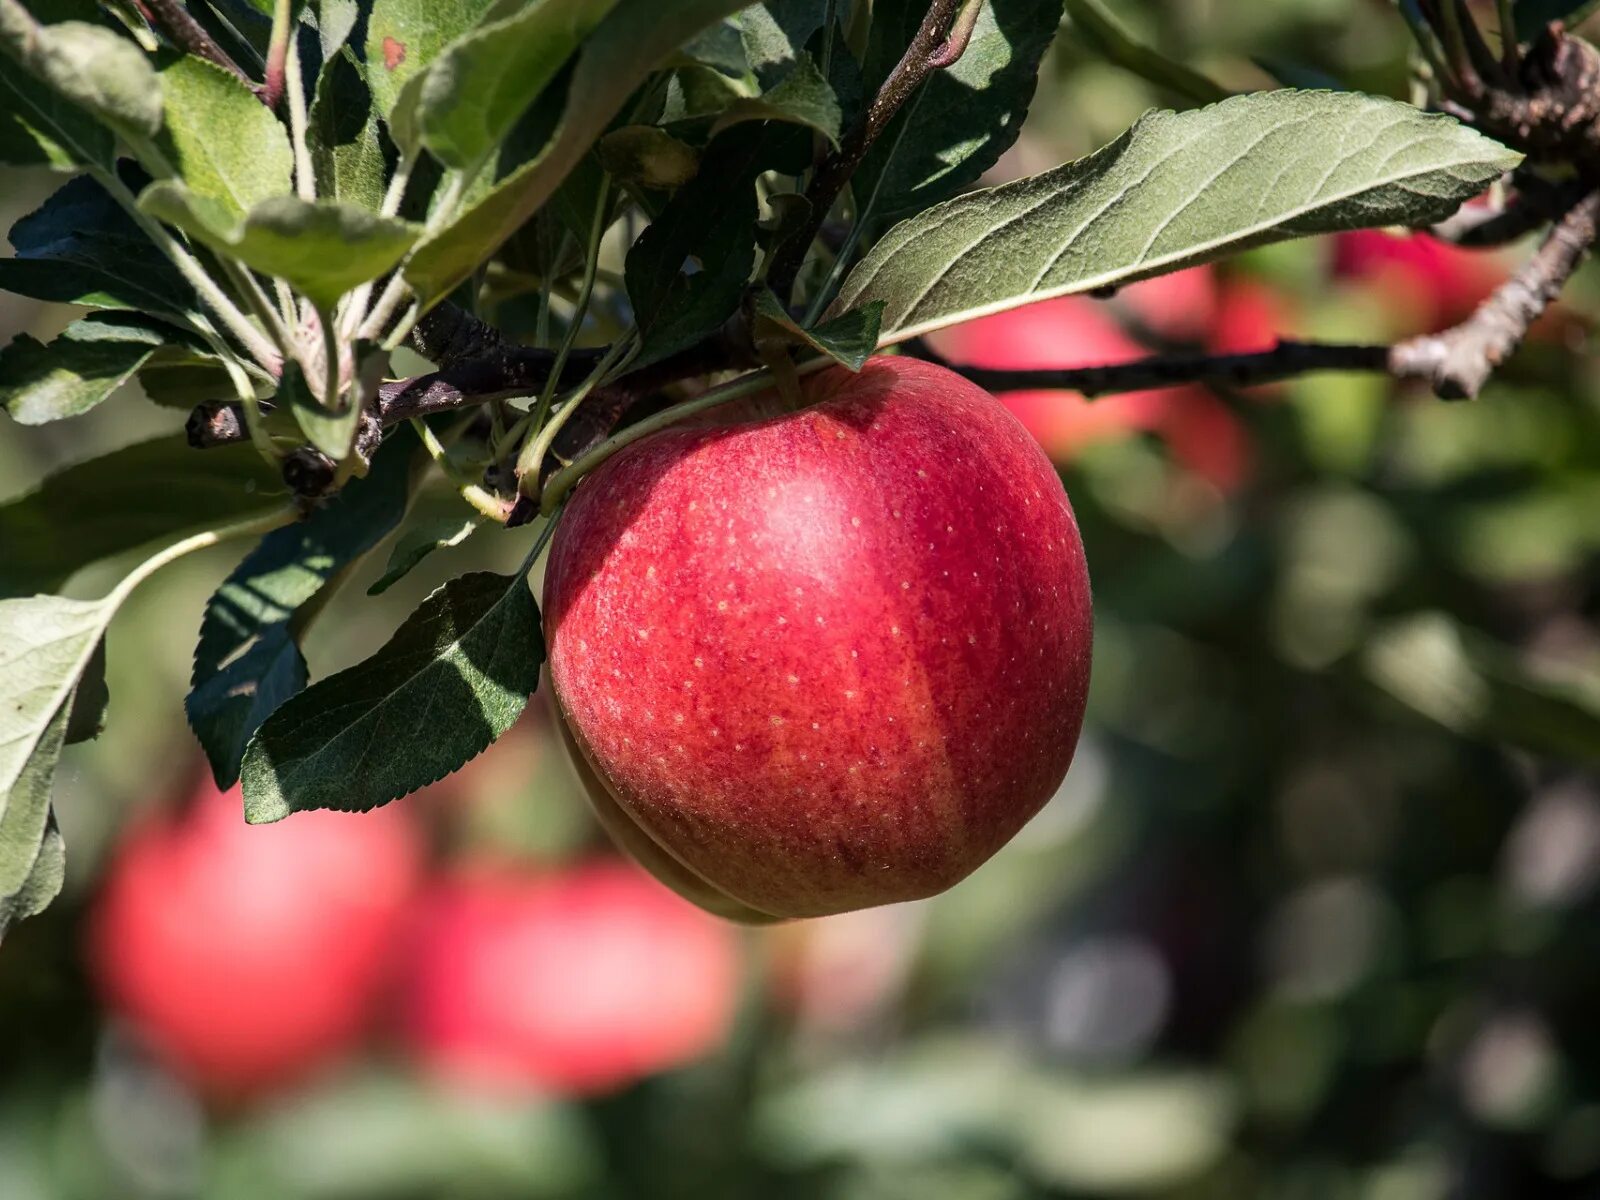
(575, 982)
(829, 659)
(246, 956)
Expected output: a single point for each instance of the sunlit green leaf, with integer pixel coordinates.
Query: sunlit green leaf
(451, 680)
(1176, 189)
(224, 142)
(88, 361)
(323, 248)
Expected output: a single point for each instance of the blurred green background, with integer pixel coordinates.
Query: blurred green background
(1315, 914)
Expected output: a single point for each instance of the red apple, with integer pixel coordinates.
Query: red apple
(1072, 331)
(246, 956)
(829, 659)
(576, 982)
(1180, 307)
(1425, 284)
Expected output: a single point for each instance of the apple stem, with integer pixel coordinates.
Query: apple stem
(564, 480)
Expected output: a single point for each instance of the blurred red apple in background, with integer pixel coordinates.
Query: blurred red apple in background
(245, 956)
(1426, 284)
(577, 981)
(826, 660)
(1203, 434)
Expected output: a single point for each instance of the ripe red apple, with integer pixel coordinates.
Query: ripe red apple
(829, 659)
(248, 955)
(576, 982)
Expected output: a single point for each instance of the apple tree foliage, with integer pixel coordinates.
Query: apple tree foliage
(261, 204)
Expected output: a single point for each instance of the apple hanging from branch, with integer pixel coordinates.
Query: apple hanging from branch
(828, 658)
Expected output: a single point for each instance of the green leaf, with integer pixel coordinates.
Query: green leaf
(336, 20)
(634, 38)
(347, 152)
(849, 339)
(774, 32)
(1533, 15)
(647, 156)
(46, 643)
(80, 247)
(482, 83)
(323, 249)
(248, 660)
(38, 127)
(802, 98)
(86, 719)
(225, 143)
(123, 500)
(710, 224)
(1175, 190)
(44, 880)
(454, 677)
(90, 359)
(963, 118)
(416, 544)
(719, 46)
(404, 37)
(101, 72)
(182, 379)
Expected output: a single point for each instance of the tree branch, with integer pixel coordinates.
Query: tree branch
(174, 20)
(940, 41)
(1459, 361)
(1285, 360)
(1531, 207)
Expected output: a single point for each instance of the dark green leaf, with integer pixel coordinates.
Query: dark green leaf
(803, 97)
(80, 247)
(719, 46)
(87, 718)
(454, 677)
(963, 118)
(774, 32)
(182, 379)
(323, 248)
(123, 500)
(347, 153)
(687, 272)
(483, 82)
(225, 143)
(849, 339)
(633, 39)
(416, 544)
(44, 880)
(90, 359)
(1175, 190)
(248, 661)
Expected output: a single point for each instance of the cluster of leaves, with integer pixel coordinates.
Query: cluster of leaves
(477, 153)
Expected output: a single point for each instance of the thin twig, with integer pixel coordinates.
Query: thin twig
(174, 20)
(1285, 360)
(939, 41)
(1529, 209)
(1459, 361)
